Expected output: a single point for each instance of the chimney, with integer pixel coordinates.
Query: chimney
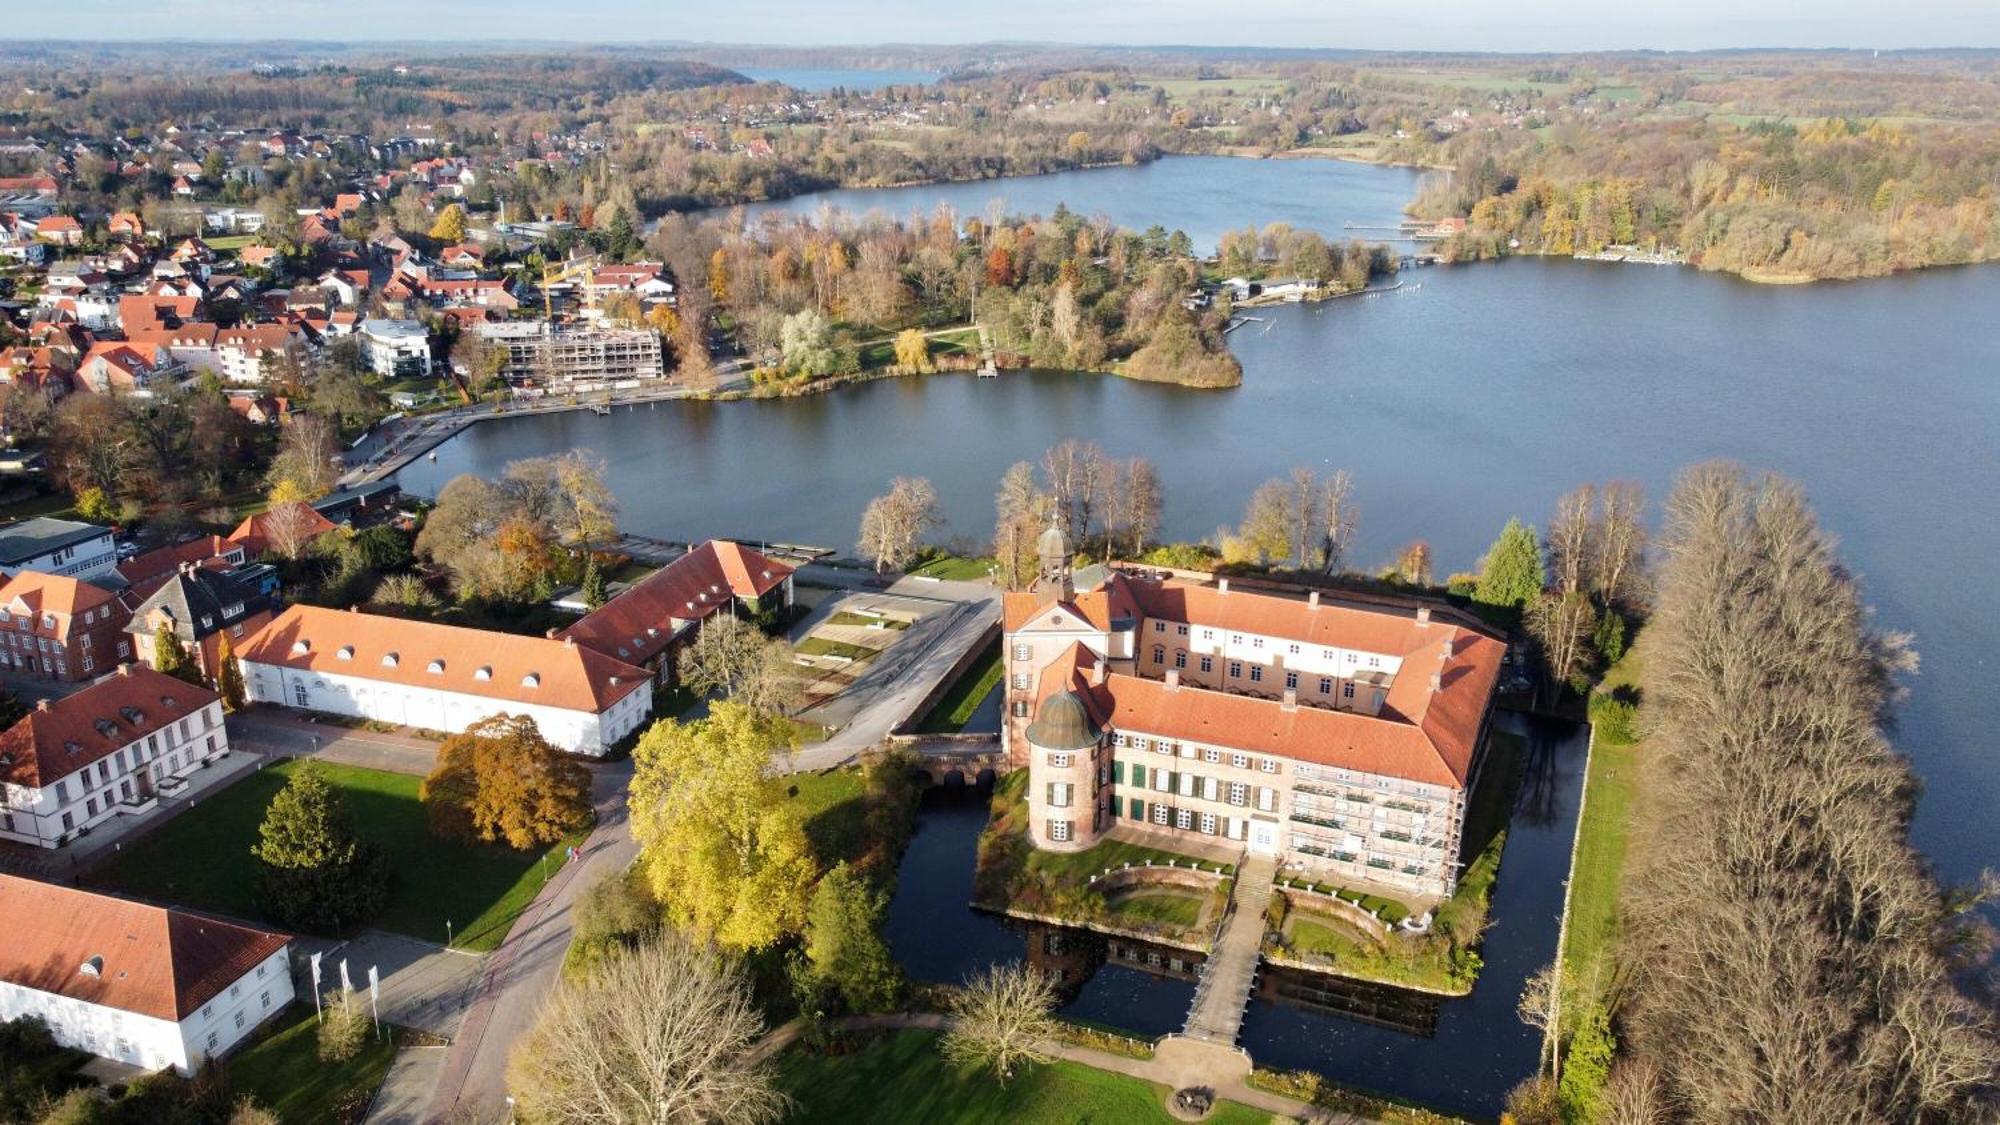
(1437, 681)
(354, 609)
(569, 642)
(124, 669)
(1423, 616)
(550, 633)
(1222, 585)
(1173, 679)
(1312, 600)
(42, 704)
(1290, 701)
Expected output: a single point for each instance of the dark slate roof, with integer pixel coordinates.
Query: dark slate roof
(334, 501)
(33, 538)
(1063, 723)
(199, 601)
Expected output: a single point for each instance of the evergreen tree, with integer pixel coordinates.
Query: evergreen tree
(314, 873)
(843, 944)
(593, 585)
(229, 676)
(1511, 574)
(171, 656)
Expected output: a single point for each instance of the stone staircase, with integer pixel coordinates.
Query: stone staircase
(1227, 977)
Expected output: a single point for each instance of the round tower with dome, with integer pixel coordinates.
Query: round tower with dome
(1064, 745)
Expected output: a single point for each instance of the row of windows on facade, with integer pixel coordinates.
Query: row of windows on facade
(1024, 651)
(1240, 794)
(1023, 680)
(27, 620)
(131, 757)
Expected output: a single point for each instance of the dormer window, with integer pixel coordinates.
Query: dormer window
(346, 652)
(92, 968)
(390, 660)
(532, 679)
(106, 727)
(482, 673)
(207, 622)
(132, 715)
(301, 647)
(435, 667)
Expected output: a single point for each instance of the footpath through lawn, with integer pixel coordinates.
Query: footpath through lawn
(201, 859)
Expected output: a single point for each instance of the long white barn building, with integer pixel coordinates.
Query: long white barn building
(443, 677)
(154, 987)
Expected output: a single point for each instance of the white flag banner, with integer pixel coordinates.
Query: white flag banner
(346, 985)
(315, 973)
(375, 993)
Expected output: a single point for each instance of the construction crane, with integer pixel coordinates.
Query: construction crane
(570, 269)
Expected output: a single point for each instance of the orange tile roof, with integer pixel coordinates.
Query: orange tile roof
(639, 623)
(31, 592)
(255, 532)
(150, 960)
(62, 736)
(517, 669)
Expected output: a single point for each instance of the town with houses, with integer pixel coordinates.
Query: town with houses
(330, 794)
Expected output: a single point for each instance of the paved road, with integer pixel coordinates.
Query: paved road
(472, 1083)
(286, 734)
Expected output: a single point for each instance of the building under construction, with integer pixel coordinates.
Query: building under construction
(574, 357)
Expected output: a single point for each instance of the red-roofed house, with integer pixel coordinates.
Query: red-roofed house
(126, 224)
(281, 527)
(55, 627)
(443, 677)
(127, 366)
(109, 750)
(1341, 738)
(648, 622)
(63, 230)
(152, 987)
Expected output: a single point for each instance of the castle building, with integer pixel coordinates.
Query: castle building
(1341, 737)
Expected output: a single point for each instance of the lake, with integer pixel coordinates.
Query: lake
(1202, 195)
(1473, 394)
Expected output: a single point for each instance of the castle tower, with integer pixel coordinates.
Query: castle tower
(1052, 580)
(1063, 744)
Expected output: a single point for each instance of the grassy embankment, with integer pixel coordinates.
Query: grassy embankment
(201, 859)
(951, 712)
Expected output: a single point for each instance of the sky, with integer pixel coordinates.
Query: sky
(1442, 25)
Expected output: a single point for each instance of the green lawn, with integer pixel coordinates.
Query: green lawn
(283, 1073)
(903, 1078)
(229, 242)
(950, 714)
(202, 859)
(951, 568)
(820, 646)
(1609, 789)
(1323, 935)
(1165, 909)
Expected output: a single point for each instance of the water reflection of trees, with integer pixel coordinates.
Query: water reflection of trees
(1540, 802)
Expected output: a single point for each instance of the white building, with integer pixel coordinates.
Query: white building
(396, 349)
(443, 677)
(149, 986)
(51, 546)
(109, 750)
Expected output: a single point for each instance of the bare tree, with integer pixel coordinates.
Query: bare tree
(1790, 956)
(1339, 514)
(1145, 497)
(1003, 1020)
(1074, 472)
(1540, 1007)
(1621, 541)
(893, 525)
(307, 459)
(660, 1034)
(290, 527)
(1018, 515)
(1304, 516)
(1570, 541)
(1561, 624)
(734, 658)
